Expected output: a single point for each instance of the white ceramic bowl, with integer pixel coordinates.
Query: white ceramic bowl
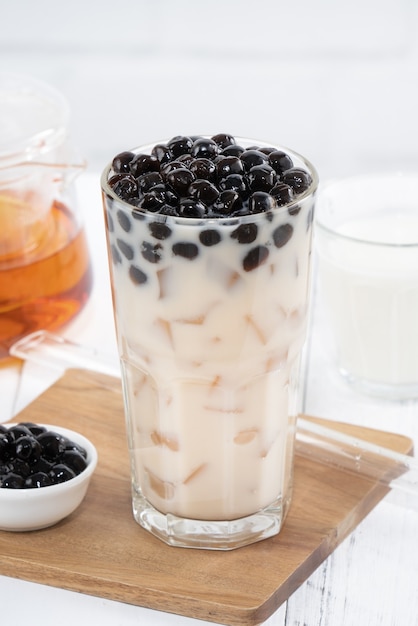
(32, 509)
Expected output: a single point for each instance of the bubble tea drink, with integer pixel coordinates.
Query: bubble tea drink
(209, 246)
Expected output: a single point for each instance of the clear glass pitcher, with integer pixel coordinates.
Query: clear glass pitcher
(45, 273)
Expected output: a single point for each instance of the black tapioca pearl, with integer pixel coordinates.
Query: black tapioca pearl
(282, 193)
(261, 178)
(228, 165)
(245, 233)
(137, 276)
(180, 145)
(124, 221)
(180, 179)
(294, 210)
(149, 180)
(280, 161)
(233, 150)
(189, 207)
(122, 161)
(223, 140)
(299, 180)
(170, 167)
(185, 160)
(282, 234)
(267, 150)
(228, 203)
(203, 190)
(159, 230)
(109, 222)
(116, 257)
(126, 249)
(137, 214)
(124, 185)
(255, 257)
(154, 200)
(152, 252)
(144, 163)
(251, 158)
(210, 237)
(185, 249)
(234, 182)
(205, 148)
(203, 169)
(261, 202)
(162, 153)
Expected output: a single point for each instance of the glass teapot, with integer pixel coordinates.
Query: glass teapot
(45, 273)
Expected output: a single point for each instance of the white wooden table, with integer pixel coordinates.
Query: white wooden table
(370, 580)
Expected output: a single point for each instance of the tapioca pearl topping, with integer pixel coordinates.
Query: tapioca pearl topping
(229, 168)
(205, 148)
(255, 257)
(235, 182)
(137, 276)
(299, 180)
(203, 190)
(180, 179)
(185, 249)
(143, 164)
(203, 169)
(159, 230)
(124, 185)
(189, 207)
(228, 203)
(122, 162)
(262, 178)
(229, 165)
(251, 158)
(149, 180)
(210, 237)
(282, 234)
(261, 202)
(233, 150)
(223, 140)
(162, 152)
(282, 193)
(152, 252)
(180, 145)
(126, 249)
(154, 200)
(280, 161)
(124, 221)
(245, 233)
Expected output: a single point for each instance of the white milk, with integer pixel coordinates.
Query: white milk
(371, 292)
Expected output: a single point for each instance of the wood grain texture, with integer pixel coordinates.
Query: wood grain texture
(101, 550)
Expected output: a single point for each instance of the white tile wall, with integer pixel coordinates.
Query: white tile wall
(334, 79)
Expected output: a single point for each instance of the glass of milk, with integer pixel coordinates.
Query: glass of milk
(367, 245)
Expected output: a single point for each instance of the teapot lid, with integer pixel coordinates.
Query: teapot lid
(33, 119)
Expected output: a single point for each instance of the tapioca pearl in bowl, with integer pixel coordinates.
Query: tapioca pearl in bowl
(45, 471)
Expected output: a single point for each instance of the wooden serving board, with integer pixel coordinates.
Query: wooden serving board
(100, 549)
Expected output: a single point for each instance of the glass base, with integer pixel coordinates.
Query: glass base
(209, 535)
(385, 391)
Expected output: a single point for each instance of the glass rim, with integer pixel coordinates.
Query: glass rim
(146, 149)
(331, 231)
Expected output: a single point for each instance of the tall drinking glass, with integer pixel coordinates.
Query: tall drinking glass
(211, 317)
